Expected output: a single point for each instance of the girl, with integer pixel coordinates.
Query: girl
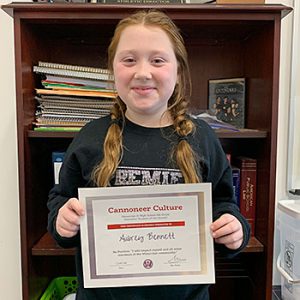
(148, 139)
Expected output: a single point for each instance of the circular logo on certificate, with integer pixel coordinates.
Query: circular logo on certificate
(148, 263)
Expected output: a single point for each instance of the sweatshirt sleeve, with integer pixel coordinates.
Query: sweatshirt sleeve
(69, 180)
(82, 155)
(216, 169)
(74, 173)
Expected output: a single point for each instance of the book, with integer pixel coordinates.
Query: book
(227, 100)
(57, 160)
(103, 93)
(59, 129)
(71, 102)
(82, 81)
(236, 183)
(72, 67)
(59, 122)
(75, 87)
(72, 73)
(248, 170)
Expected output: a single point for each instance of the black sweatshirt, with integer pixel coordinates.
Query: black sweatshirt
(146, 160)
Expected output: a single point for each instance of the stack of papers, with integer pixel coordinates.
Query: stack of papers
(72, 95)
(69, 111)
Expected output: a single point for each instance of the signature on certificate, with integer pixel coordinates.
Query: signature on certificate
(177, 259)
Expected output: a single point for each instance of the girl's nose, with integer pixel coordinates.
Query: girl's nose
(143, 71)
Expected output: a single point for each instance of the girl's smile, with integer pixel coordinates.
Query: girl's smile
(143, 91)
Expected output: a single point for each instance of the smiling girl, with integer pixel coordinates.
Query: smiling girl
(148, 138)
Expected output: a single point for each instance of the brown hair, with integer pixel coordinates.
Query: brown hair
(183, 153)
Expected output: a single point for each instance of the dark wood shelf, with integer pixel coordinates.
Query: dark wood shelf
(113, 8)
(243, 133)
(51, 134)
(46, 246)
(254, 245)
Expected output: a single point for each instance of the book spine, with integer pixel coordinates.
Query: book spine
(248, 170)
(236, 184)
(72, 67)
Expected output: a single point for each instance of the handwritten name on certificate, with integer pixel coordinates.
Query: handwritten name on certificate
(147, 235)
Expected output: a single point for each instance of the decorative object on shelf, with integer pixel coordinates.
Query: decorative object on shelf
(227, 100)
(214, 122)
(57, 160)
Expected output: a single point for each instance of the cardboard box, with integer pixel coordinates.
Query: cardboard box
(240, 1)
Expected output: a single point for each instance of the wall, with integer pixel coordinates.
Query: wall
(294, 141)
(10, 283)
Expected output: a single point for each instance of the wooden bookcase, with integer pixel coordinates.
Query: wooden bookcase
(223, 41)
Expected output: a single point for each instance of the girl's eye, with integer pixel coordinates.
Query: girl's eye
(128, 60)
(158, 61)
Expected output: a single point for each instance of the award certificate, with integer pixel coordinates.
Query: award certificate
(147, 235)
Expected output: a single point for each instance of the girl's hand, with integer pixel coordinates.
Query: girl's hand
(227, 230)
(68, 218)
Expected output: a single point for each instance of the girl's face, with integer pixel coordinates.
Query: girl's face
(145, 70)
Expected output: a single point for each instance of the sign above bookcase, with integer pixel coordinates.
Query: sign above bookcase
(240, 1)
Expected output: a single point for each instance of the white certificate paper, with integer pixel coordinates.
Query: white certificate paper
(147, 235)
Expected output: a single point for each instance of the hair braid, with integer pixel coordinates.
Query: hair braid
(112, 148)
(183, 153)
